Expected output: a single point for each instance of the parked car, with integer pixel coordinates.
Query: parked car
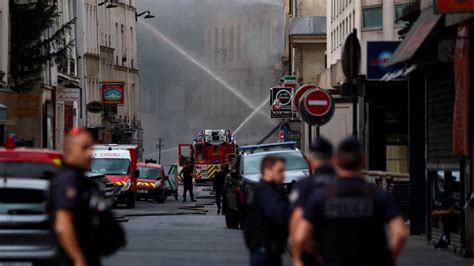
(245, 173)
(152, 182)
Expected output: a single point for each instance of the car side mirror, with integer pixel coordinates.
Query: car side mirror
(136, 173)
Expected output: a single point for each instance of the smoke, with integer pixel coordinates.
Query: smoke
(239, 41)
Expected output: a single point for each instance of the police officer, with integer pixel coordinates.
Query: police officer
(265, 227)
(69, 202)
(187, 177)
(319, 160)
(347, 218)
(218, 185)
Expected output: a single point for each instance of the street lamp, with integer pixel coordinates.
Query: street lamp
(111, 5)
(147, 16)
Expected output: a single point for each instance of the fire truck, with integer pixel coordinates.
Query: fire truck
(211, 149)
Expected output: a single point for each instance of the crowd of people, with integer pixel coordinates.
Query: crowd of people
(333, 217)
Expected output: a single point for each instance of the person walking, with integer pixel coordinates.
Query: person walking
(187, 177)
(266, 223)
(319, 159)
(347, 218)
(218, 185)
(69, 202)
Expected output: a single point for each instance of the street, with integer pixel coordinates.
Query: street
(163, 234)
(179, 239)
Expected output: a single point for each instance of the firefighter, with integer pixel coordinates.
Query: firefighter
(69, 202)
(348, 217)
(187, 177)
(266, 223)
(218, 185)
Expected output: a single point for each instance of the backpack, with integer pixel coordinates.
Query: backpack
(108, 235)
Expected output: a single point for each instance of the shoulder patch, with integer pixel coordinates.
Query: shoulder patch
(71, 193)
(294, 195)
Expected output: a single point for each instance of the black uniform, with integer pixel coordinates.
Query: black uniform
(218, 185)
(187, 182)
(266, 225)
(349, 216)
(71, 190)
(302, 191)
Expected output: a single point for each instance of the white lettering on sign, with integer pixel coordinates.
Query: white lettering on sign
(110, 154)
(318, 102)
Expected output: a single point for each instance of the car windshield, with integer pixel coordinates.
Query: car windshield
(109, 166)
(22, 201)
(27, 169)
(294, 161)
(149, 173)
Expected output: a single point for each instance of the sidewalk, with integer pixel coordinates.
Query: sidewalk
(418, 253)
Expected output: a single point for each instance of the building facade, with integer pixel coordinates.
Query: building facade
(109, 48)
(380, 107)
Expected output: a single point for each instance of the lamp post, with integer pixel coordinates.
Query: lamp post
(147, 16)
(110, 5)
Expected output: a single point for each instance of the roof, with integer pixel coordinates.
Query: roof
(307, 26)
(270, 152)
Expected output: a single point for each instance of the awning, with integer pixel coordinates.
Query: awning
(415, 38)
(398, 73)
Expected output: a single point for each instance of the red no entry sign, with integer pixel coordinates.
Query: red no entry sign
(300, 92)
(318, 102)
(316, 106)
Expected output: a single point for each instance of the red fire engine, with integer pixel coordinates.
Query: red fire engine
(210, 151)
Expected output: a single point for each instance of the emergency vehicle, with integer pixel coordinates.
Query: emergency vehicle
(151, 183)
(209, 152)
(119, 164)
(28, 162)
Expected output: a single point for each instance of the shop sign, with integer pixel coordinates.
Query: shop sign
(454, 6)
(281, 100)
(378, 56)
(95, 107)
(68, 94)
(113, 92)
(462, 71)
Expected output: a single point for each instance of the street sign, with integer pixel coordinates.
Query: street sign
(281, 100)
(316, 107)
(299, 93)
(351, 56)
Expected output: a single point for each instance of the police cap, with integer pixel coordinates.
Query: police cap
(321, 148)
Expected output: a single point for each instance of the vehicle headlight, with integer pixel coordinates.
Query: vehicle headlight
(127, 185)
(157, 184)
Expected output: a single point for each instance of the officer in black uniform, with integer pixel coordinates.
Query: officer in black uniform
(187, 177)
(319, 160)
(266, 224)
(218, 185)
(69, 202)
(347, 217)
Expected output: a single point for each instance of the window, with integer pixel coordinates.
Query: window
(372, 17)
(399, 13)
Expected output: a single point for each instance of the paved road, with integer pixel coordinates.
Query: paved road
(173, 239)
(172, 236)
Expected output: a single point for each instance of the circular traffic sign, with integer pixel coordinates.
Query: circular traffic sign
(299, 93)
(316, 107)
(318, 102)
